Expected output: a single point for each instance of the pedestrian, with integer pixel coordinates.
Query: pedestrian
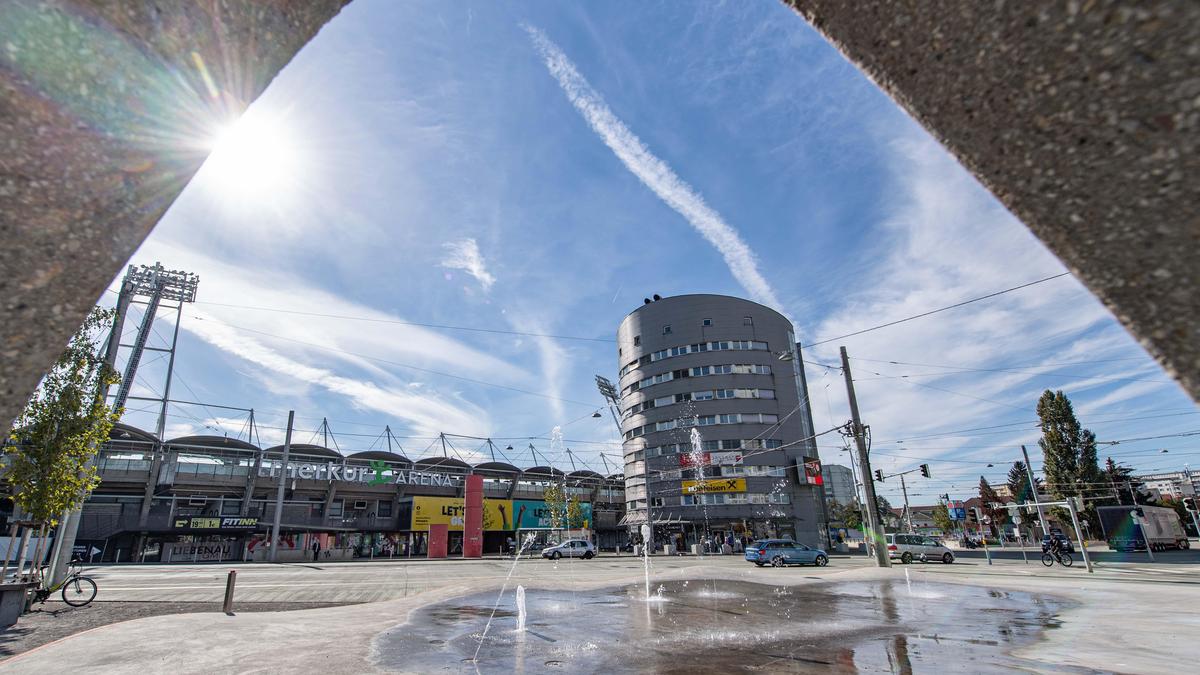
(316, 549)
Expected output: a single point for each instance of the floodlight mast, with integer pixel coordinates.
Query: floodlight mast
(609, 391)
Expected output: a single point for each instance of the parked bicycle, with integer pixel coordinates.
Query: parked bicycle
(1061, 557)
(77, 590)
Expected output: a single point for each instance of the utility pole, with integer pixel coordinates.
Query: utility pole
(907, 512)
(1033, 489)
(287, 450)
(864, 462)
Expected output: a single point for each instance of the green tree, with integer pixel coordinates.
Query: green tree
(1018, 483)
(1071, 466)
(883, 509)
(849, 515)
(565, 510)
(988, 496)
(1185, 518)
(1125, 488)
(62, 427)
(941, 518)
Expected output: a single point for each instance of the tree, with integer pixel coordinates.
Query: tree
(1185, 518)
(941, 518)
(1071, 467)
(62, 427)
(1018, 483)
(565, 510)
(883, 510)
(988, 496)
(849, 515)
(1126, 489)
(53, 441)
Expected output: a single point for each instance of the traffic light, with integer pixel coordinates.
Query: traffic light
(1189, 503)
(925, 470)
(879, 475)
(973, 516)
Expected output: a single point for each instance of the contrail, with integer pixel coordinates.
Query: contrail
(654, 172)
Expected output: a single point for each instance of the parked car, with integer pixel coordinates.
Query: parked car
(571, 548)
(909, 547)
(780, 552)
(1062, 540)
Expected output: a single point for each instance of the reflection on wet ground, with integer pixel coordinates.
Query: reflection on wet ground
(727, 626)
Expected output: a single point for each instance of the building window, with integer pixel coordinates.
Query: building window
(637, 340)
(621, 352)
(335, 509)
(706, 322)
(385, 508)
(656, 501)
(667, 329)
(747, 321)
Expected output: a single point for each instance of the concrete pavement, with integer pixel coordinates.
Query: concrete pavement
(1127, 617)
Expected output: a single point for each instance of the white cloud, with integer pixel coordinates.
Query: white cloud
(945, 239)
(654, 172)
(248, 288)
(464, 255)
(553, 358)
(425, 412)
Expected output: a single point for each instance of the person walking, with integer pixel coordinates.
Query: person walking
(316, 549)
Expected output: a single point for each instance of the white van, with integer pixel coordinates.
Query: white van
(909, 547)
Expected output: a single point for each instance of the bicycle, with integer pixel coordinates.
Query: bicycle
(77, 590)
(1062, 558)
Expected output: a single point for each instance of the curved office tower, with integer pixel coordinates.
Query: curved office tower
(729, 369)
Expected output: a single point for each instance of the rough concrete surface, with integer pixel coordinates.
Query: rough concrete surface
(1122, 619)
(105, 109)
(56, 620)
(1082, 117)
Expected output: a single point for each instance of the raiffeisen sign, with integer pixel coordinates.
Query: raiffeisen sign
(378, 473)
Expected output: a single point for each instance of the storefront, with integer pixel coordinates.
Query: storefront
(504, 521)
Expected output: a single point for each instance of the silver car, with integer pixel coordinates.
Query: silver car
(907, 547)
(571, 548)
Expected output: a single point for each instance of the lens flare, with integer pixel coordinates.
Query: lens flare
(253, 159)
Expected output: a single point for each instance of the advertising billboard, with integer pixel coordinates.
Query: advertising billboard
(451, 512)
(812, 471)
(714, 485)
(535, 515)
(725, 458)
(687, 460)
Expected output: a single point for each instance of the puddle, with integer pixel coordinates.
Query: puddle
(731, 626)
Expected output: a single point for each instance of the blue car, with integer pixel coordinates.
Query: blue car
(780, 552)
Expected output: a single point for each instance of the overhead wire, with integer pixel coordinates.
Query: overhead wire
(935, 311)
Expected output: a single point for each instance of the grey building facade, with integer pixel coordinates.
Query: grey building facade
(717, 429)
(839, 484)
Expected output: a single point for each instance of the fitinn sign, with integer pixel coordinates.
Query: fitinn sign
(378, 473)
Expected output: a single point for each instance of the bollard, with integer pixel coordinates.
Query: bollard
(228, 607)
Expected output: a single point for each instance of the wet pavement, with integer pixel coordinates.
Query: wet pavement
(875, 626)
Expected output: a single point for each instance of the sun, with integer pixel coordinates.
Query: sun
(254, 158)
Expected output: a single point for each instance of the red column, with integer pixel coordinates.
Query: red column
(473, 521)
(439, 539)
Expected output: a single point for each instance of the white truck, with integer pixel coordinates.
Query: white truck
(1156, 526)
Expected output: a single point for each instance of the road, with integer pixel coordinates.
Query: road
(354, 582)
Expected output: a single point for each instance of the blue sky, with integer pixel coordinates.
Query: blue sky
(542, 168)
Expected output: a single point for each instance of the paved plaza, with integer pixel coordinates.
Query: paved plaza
(1122, 618)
